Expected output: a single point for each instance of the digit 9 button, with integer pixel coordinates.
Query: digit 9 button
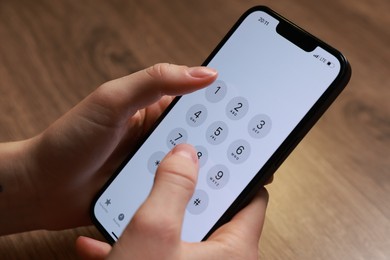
(218, 176)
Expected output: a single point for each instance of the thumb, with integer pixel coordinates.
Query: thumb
(156, 226)
(175, 181)
(91, 249)
(126, 95)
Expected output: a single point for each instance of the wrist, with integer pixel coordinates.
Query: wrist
(17, 189)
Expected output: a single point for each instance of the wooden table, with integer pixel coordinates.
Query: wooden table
(329, 200)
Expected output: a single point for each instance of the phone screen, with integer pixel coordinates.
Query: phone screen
(267, 84)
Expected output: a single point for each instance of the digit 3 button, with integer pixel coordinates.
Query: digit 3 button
(259, 126)
(198, 203)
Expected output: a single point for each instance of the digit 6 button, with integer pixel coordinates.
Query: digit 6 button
(238, 151)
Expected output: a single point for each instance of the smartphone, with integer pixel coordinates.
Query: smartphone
(275, 80)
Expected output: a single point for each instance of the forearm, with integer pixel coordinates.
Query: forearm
(17, 192)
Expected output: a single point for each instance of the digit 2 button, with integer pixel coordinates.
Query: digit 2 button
(237, 108)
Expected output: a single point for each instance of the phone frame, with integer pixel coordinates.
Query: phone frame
(304, 40)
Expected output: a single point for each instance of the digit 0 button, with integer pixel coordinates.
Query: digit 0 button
(218, 176)
(216, 91)
(259, 126)
(177, 136)
(238, 151)
(237, 108)
(196, 115)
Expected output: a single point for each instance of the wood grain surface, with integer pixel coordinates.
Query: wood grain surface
(329, 200)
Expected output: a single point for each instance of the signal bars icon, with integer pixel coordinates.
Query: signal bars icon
(323, 60)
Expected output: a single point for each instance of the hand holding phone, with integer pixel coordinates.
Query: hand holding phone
(154, 231)
(275, 81)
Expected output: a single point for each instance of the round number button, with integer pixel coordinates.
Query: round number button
(237, 108)
(196, 115)
(177, 136)
(154, 161)
(218, 176)
(238, 151)
(198, 203)
(217, 132)
(202, 154)
(259, 126)
(216, 91)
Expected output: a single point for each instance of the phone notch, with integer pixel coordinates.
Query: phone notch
(296, 36)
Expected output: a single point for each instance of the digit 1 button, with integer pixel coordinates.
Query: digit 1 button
(216, 91)
(259, 126)
(177, 136)
(196, 115)
(217, 132)
(237, 108)
(238, 151)
(218, 176)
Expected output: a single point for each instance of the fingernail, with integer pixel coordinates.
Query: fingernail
(202, 72)
(186, 151)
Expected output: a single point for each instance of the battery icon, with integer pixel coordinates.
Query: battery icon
(330, 64)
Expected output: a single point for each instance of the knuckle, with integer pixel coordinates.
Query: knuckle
(179, 173)
(159, 70)
(156, 226)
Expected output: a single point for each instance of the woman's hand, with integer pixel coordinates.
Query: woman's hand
(155, 230)
(48, 182)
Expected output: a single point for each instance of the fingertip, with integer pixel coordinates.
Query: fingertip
(186, 151)
(178, 80)
(202, 72)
